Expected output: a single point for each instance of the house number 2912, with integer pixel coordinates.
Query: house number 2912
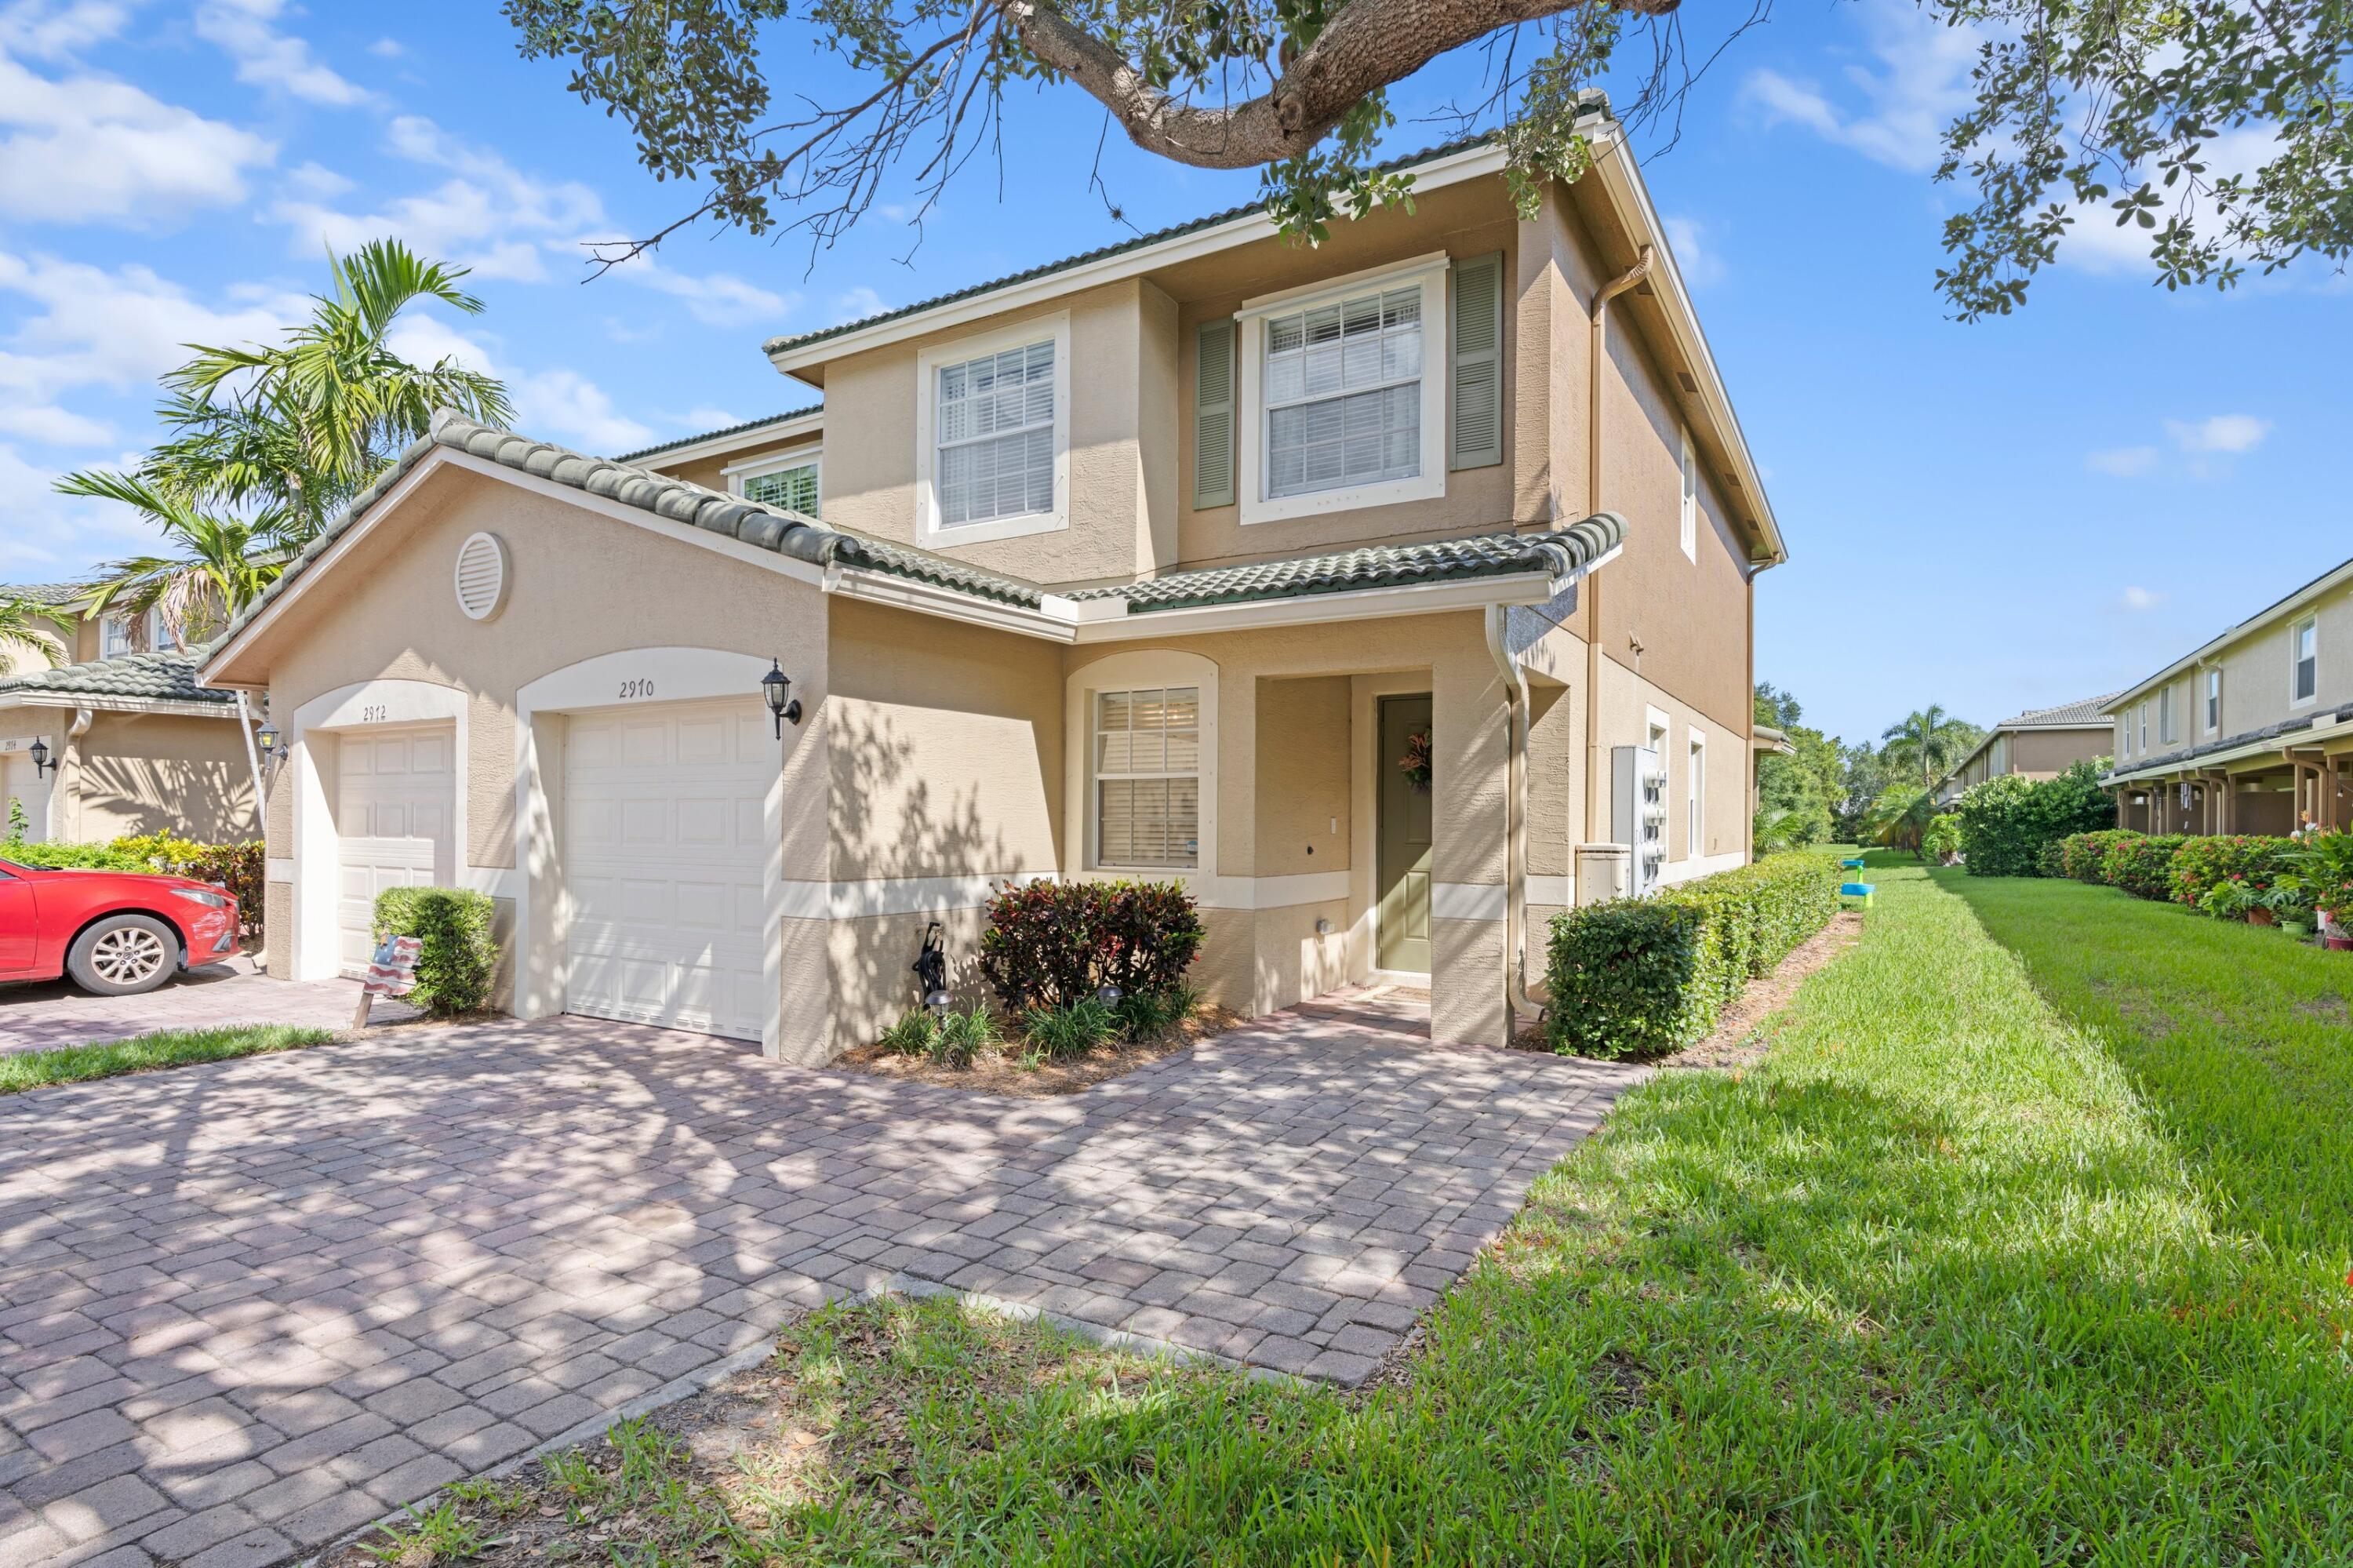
(636, 688)
(374, 714)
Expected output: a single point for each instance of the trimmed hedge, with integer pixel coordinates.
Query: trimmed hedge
(459, 959)
(237, 867)
(1643, 976)
(2141, 866)
(1052, 944)
(2202, 864)
(2083, 856)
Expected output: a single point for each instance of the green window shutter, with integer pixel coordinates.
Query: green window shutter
(1478, 362)
(1213, 414)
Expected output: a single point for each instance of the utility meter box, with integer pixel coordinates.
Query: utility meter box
(1638, 814)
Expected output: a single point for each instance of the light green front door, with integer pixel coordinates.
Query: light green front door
(1401, 858)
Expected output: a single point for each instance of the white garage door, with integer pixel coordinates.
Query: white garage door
(21, 785)
(396, 814)
(664, 846)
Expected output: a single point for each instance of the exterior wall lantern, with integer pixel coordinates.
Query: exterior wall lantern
(39, 753)
(776, 688)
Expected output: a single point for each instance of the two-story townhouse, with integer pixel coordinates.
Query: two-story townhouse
(2251, 731)
(1349, 585)
(117, 737)
(2041, 742)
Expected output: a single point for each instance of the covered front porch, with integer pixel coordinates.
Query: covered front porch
(2274, 793)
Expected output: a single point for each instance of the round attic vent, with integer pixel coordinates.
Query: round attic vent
(482, 576)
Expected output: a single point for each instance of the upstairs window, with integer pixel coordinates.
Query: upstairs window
(2165, 717)
(2213, 700)
(1695, 799)
(992, 459)
(2304, 643)
(1344, 394)
(791, 486)
(121, 634)
(1691, 500)
(1148, 778)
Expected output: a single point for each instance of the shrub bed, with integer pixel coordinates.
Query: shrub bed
(237, 867)
(459, 959)
(1050, 945)
(2083, 856)
(2203, 863)
(2141, 866)
(1643, 976)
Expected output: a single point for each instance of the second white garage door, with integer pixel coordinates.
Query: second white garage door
(665, 840)
(396, 815)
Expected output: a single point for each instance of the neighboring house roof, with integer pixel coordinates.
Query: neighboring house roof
(2087, 714)
(1557, 553)
(1047, 269)
(51, 594)
(162, 677)
(745, 428)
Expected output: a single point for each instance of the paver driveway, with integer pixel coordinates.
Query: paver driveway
(246, 1306)
(46, 1015)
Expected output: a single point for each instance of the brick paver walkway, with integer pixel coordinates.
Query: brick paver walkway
(50, 1013)
(244, 1308)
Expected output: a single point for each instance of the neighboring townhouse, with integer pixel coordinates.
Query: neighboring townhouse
(2041, 742)
(118, 738)
(2251, 732)
(1341, 583)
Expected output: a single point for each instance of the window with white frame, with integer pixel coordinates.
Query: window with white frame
(791, 484)
(1148, 766)
(1690, 498)
(1695, 801)
(116, 637)
(2304, 649)
(2165, 717)
(2213, 700)
(2143, 728)
(1344, 393)
(993, 423)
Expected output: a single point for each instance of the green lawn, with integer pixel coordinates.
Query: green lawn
(1954, 1275)
(169, 1048)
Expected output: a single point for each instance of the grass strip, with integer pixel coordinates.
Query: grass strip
(1938, 1281)
(166, 1048)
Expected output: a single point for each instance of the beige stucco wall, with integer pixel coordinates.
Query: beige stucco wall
(160, 773)
(2256, 684)
(2047, 753)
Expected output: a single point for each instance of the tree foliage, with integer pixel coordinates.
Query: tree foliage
(2215, 128)
(1797, 795)
(2006, 821)
(21, 624)
(1928, 741)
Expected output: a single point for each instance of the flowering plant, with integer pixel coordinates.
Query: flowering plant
(1415, 763)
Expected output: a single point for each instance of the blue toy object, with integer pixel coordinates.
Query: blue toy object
(1862, 889)
(1850, 864)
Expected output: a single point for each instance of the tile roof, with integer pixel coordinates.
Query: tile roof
(1383, 566)
(790, 533)
(1045, 270)
(2177, 757)
(745, 427)
(51, 594)
(162, 676)
(2088, 711)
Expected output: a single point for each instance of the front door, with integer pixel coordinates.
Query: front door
(1401, 859)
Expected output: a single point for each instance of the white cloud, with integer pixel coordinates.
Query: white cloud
(567, 405)
(717, 299)
(56, 427)
(389, 49)
(857, 305)
(1893, 111)
(81, 148)
(51, 536)
(1695, 257)
(246, 31)
(422, 339)
(706, 417)
(2123, 463)
(118, 329)
(2219, 433)
(2140, 599)
(48, 30)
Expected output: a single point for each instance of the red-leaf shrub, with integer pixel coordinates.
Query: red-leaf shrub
(2083, 856)
(1050, 944)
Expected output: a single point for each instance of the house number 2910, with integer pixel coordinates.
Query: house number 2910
(636, 688)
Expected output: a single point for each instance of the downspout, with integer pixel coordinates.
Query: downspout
(1515, 819)
(253, 760)
(74, 731)
(1608, 291)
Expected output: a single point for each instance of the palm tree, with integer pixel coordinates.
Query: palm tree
(267, 442)
(305, 426)
(1927, 740)
(1898, 817)
(19, 632)
(219, 567)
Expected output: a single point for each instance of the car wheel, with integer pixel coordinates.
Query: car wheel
(123, 955)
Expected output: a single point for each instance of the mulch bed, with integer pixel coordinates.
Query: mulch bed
(1007, 1070)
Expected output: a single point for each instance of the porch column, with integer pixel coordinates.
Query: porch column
(1470, 745)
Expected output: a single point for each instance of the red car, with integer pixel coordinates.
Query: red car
(117, 933)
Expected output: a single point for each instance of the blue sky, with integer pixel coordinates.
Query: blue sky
(1991, 517)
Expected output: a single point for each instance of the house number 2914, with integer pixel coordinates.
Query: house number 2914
(636, 688)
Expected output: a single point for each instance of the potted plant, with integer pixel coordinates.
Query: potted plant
(2290, 902)
(2232, 899)
(2325, 864)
